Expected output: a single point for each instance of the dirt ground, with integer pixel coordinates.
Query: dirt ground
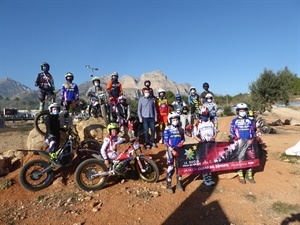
(273, 199)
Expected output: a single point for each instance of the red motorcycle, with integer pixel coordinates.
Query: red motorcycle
(92, 174)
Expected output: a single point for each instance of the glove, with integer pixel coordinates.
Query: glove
(180, 144)
(235, 138)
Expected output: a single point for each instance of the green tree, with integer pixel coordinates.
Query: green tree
(271, 88)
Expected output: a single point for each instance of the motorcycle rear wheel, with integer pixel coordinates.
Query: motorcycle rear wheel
(151, 173)
(31, 177)
(265, 129)
(84, 175)
(39, 122)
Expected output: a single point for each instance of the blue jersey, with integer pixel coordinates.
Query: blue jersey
(172, 136)
(69, 92)
(242, 128)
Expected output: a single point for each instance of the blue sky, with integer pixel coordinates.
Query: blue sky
(225, 43)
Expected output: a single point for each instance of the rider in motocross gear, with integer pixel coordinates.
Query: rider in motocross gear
(114, 87)
(123, 114)
(205, 131)
(193, 100)
(69, 93)
(95, 91)
(205, 92)
(44, 81)
(212, 107)
(163, 109)
(52, 123)
(110, 144)
(178, 105)
(173, 137)
(242, 127)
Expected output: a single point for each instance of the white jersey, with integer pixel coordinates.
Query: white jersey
(205, 130)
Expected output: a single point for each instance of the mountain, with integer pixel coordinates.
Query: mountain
(132, 87)
(9, 87)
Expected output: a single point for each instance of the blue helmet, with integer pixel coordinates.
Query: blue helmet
(178, 96)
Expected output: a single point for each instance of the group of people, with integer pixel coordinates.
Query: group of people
(172, 119)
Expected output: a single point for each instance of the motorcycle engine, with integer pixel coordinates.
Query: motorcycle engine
(121, 167)
(66, 156)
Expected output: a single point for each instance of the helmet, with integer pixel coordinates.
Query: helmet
(241, 106)
(191, 88)
(121, 97)
(115, 74)
(209, 95)
(96, 78)
(111, 126)
(160, 90)
(203, 110)
(184, 108)
(69, 74)
(204, 85)
(173, 115)
(44, 64)
(147, 81)
(178, 95)
(251, 113)
(54, 105)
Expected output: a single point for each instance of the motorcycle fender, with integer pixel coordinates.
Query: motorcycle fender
(98, 157)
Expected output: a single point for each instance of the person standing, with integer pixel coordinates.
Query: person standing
(242, 127)
(69, 93)
(194, 101)
(173, 137)
(148, 116)
(206, 132)
(205, 86)
(114, 90)
(96, 91)
(123, 114)
(45, 82)
(163, 110)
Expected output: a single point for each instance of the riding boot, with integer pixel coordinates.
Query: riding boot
(169, 186)
(249, 176)
(42, 105)
(179, 183)
(241, 177)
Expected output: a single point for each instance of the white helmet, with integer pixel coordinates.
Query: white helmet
(173, 115)
(160, 90)
(54, 105)
(241, 106)
(209, 95)
(121, 97)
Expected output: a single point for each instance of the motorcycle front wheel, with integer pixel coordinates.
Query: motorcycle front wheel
(147, 170)
(32, 178)
(87, 175)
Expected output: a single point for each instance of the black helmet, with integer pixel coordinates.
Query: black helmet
(205, 85)
(147, 81)
(44, 64)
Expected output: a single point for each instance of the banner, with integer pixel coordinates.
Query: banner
(218, 156)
